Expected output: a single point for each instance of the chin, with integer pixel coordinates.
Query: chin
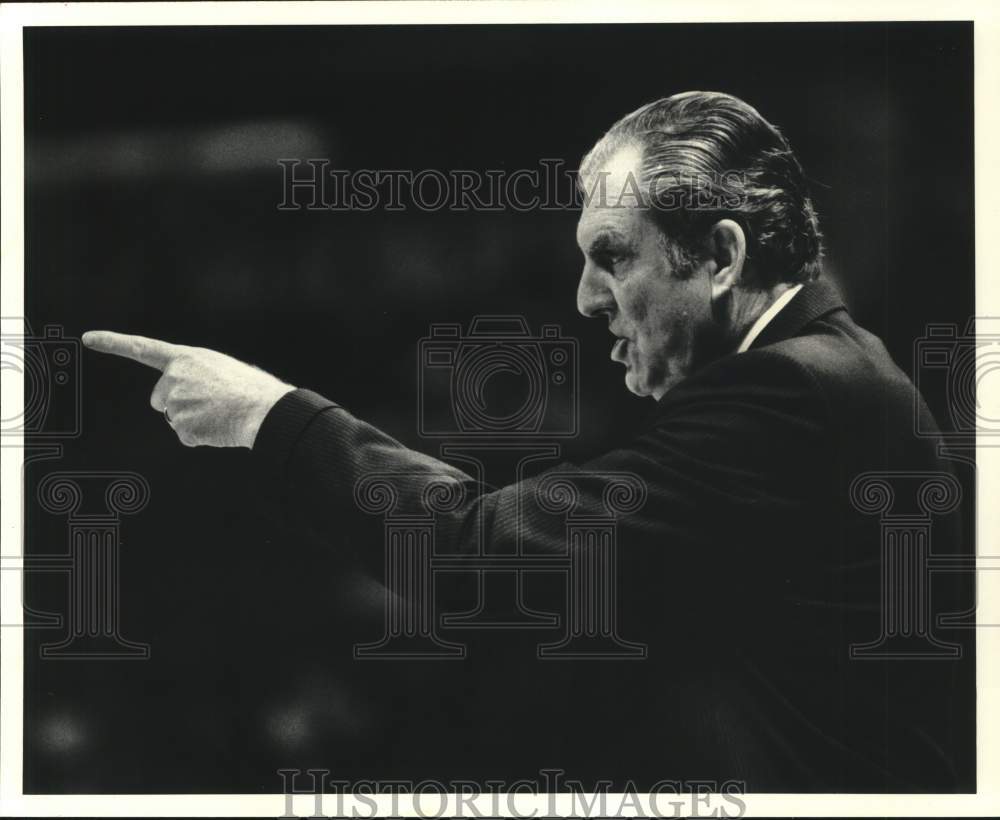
(636, 385)
(646, 386)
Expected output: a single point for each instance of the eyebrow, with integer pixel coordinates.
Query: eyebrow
(606, 241)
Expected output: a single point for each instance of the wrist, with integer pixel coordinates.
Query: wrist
(263, 404)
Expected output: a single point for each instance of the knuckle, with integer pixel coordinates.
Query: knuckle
(158, 398)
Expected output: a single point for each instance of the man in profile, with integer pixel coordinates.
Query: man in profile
(749, 572)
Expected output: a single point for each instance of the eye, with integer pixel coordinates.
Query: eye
(610, 254)
(612, 261)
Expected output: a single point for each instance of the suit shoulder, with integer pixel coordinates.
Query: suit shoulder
(765, 380)
(832, 358)
(844, 358)
(851, 368)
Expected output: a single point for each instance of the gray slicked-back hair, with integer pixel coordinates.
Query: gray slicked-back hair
(708, 156)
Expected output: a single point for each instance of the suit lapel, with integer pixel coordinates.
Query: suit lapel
(816, 299)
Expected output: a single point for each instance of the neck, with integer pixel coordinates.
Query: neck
(747, 306)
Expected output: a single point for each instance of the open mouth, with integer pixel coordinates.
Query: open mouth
(618, 351)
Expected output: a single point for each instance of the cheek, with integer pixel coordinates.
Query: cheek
(640, 307)
(666, 334)
(663, 312)
(658, 321)
(636, 302)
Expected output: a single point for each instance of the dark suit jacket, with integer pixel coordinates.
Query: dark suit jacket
(748, 572)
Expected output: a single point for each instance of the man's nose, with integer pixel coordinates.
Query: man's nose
(592, 296)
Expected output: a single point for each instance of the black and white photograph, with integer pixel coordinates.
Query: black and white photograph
(499, 410)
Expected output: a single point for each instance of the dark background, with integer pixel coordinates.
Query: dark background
(152, 193)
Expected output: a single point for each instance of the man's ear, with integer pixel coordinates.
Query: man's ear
(726, 246)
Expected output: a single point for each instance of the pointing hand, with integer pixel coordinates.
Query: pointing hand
(207, 397)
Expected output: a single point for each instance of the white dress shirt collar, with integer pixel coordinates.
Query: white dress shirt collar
(767, 316)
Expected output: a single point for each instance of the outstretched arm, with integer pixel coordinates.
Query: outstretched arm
(714, 447)
(743, 440)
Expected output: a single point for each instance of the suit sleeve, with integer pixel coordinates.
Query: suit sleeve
(727, 451)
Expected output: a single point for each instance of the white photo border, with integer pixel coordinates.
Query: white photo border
(13, 19)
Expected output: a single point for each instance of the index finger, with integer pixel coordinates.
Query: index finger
(151, 352)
